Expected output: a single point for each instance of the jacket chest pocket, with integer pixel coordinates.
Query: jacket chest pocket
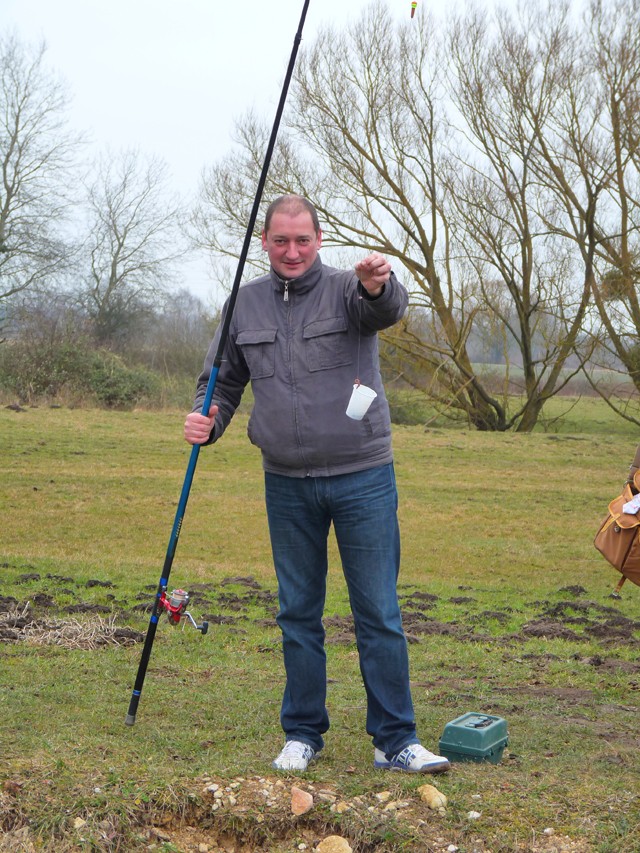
(259, 350)
(326, 343)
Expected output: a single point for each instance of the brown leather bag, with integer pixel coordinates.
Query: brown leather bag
(618, 537)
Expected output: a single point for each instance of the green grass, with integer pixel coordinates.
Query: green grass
(498, 528)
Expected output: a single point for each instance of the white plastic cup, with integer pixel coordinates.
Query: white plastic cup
(361, 398)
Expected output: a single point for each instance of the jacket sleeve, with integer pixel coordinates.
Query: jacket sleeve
(233, 376)
(373, 314)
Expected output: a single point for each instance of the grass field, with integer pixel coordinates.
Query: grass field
(506, 606)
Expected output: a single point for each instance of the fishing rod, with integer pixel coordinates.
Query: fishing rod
(175, 603)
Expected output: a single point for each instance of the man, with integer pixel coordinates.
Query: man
(302, 335)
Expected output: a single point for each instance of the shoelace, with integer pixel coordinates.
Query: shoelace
(295, 750)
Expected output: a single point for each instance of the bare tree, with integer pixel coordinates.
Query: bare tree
(585, 143)
(36, 158)
(179, 334)
(364, 140)
(133, 245)
(504, 73)
(616, 46)
(437, 159)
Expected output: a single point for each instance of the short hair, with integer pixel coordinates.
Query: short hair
(293, 205)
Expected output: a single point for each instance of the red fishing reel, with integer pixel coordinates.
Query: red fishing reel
(176, 606)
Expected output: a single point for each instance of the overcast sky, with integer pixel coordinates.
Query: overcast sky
(171, 78)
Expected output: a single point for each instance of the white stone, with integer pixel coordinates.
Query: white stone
(160, 834)
(326, 797)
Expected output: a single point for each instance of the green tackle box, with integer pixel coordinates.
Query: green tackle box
(474, 737)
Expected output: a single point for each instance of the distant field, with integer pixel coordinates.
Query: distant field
(506, 606)
(577, 383)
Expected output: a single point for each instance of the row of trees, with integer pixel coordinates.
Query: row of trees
(495, 158)
(91, 305)
(105, 233)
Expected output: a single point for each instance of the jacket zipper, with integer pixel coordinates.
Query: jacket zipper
(285, 298)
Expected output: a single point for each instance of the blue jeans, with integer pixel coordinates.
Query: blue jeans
(363, 509)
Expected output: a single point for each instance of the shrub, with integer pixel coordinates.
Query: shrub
(408, 408)
(73, 368)
(117, 386)
(42, 371)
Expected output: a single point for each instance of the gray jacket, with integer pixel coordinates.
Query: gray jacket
(302, 344)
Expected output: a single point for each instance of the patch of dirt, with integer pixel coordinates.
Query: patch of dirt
(232, 601)
(341, 631)
(421, 596)
(615, 629)
(609, 664)
(573, 590)
(42, 599)
(560, 609)
(497, 615)
(220, 619)
(553, 621)
(249, 581)
(549, 629)
(28, 578)
(254, 815)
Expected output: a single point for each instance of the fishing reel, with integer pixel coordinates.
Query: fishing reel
(176, 606)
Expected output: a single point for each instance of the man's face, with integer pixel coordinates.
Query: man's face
(291, 243)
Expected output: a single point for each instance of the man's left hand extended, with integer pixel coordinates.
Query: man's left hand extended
(373, 273)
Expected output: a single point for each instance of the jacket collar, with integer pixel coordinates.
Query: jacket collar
(300, 284)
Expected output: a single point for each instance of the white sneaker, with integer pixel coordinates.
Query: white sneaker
(295, 756)
(412, 759)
